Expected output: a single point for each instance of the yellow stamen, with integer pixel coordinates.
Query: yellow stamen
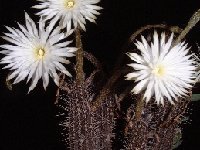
(159, 70)
(69, 3)
(40, 53)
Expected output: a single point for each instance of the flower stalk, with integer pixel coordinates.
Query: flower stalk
(139, 108)
(79, 58)
(192, 22)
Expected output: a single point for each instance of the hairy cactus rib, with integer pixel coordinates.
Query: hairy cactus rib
(157, 126)
(83, 128)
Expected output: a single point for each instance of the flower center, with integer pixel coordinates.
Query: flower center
(69, 3)
(159, 70)
(40, 53)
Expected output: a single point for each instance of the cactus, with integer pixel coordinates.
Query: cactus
(157, 127)
(83, 127)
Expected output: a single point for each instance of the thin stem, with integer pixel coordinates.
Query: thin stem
(93, 60)
(192, 22)
(61, 82)
(124, 94)
(8, 83)
(139, 108)
(105, 91)
(79, 59)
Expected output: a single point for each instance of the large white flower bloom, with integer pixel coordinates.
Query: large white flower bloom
(68, 11)
(35, 53)
(162, 70)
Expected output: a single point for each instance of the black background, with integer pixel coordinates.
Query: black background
(28, 122)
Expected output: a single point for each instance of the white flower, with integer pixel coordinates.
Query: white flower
(35, 53)
(162, 70)
(68, 11)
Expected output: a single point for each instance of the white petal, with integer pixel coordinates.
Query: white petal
(140, 86)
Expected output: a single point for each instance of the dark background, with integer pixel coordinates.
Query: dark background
(28, 122)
